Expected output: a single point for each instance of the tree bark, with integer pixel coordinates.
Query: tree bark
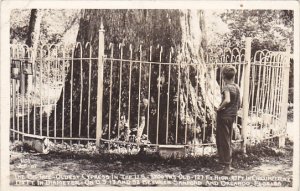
(33, 36)
(181, 29)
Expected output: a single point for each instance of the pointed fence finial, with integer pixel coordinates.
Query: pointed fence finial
(150, 52)
(101, 24)
(161, 48)
(171, 53)
(130, 50)
(160, 54)
(121, 45)
(141, 52)
(111, 45)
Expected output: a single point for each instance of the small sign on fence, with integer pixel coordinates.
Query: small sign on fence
(15, 69)
(18, 67)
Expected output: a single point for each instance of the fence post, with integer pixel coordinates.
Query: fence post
(100, 84)
(246, 92)
(285, 93)
(14, 105)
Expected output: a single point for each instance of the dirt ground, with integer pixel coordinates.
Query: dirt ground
(264, 165)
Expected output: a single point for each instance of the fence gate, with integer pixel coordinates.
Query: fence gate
(143, 99)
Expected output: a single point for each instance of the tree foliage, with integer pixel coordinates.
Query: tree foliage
(58, 25)
(270, 29)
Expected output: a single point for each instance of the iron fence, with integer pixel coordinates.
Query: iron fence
(152, 99)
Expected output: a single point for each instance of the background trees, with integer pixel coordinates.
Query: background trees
(270, 29)
(56, 25)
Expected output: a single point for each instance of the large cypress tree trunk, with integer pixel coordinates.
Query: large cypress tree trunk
(181, 29)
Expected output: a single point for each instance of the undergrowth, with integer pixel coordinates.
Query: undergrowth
(253, 158)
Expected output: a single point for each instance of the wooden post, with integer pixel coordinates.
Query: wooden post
(100, 84)
(246, 93)
(285, 93)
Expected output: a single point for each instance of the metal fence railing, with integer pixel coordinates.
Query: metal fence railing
(150, 99)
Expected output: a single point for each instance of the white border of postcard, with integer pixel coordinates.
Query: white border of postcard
(7, 6)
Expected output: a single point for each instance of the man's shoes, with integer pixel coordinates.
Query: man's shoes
(226, 170)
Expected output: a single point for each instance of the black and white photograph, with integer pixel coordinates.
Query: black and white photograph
(150, 94)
